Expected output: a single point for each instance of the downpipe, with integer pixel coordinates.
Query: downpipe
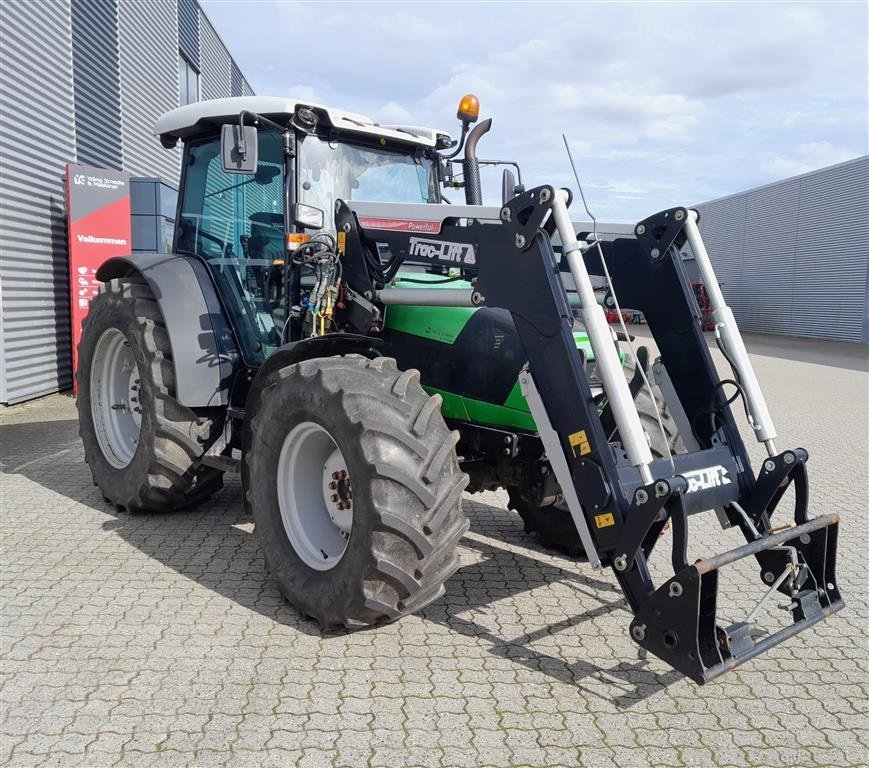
(731, 339)
(471, 166)
(609, 365)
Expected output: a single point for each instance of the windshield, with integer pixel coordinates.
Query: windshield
(330, 172)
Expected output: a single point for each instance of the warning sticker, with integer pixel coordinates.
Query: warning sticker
(605, 520)
(580, 440)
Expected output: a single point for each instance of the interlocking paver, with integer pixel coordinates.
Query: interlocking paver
(157, 640)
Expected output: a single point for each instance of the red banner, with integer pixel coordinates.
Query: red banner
(99, 227)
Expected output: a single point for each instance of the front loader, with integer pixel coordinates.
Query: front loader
(361, 350)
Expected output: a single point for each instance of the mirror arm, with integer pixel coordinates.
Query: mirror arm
(512, 163)
(256, 119)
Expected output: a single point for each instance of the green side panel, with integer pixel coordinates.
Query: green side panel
(442, 324)
(499, 416)
(453, 406)
(478, 412)
(516, 400)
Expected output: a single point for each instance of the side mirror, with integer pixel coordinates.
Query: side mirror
(238, 148)
(308, 216)
(508, 186)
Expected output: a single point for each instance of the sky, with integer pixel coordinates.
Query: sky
(663, 104)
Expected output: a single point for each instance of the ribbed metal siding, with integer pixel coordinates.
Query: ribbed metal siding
(36, 89)
(96, 83)
(793, 256)
(832, 254)
(149, 85)
(188, 30)
(771, 227)
(237, 81)
(215, 81)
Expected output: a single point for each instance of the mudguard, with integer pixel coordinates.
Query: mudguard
(204, 351)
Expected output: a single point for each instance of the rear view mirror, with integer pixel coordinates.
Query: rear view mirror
(238, 148)
(508, 186)
(308, 216)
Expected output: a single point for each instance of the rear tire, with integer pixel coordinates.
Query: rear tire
(554, 524)
(402, 476)
(126, 375)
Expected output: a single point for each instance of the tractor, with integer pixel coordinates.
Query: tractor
(364, 351)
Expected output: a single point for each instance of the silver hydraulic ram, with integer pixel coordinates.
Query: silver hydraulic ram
(430, 297)
(731, 340)
(609, 365)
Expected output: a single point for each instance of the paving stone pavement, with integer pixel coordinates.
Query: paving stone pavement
(157, 640)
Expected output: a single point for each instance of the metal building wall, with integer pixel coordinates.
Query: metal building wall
(148, 34)
(188, 30)
(36, 90)
(99, 72)
(793, 256)
(216, 74)
(96, 86)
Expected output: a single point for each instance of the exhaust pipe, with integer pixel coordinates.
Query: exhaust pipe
(470, 166)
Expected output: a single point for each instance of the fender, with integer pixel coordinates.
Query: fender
(204, 352)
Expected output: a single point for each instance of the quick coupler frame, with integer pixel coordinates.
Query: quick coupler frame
(620, 497)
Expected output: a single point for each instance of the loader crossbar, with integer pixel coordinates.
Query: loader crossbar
(619, 495)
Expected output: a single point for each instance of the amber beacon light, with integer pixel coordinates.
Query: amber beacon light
(469, 108)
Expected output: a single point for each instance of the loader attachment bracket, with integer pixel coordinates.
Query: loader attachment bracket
(775, 477)
(679, 623)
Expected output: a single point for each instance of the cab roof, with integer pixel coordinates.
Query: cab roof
(194, 119)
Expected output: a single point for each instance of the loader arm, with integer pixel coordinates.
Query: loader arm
(620, 498)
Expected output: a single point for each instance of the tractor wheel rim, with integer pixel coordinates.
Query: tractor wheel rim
(315, 496)
(115, 407)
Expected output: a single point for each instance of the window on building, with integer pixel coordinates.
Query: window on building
(189, 81)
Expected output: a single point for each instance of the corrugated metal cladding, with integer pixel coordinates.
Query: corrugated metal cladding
(237, 81)
(188, 30)
(99, 73)
(215, 80)
(148, 34)
(36, 90)
(793, 257)
(96, 87)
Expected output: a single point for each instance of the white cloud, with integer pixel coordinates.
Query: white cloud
(663, 103)
(303, 93)
(806, 157)
(392, 112)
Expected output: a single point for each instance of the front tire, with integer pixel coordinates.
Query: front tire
(143, 447)
(355, 490)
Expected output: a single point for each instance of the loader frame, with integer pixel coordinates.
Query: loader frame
(619, 504)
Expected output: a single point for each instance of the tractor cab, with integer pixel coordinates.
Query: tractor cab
(262, 175)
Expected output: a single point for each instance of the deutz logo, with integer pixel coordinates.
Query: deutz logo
(459, 253)
(704, 479)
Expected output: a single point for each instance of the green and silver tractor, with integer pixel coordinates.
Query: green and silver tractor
(363, 352)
